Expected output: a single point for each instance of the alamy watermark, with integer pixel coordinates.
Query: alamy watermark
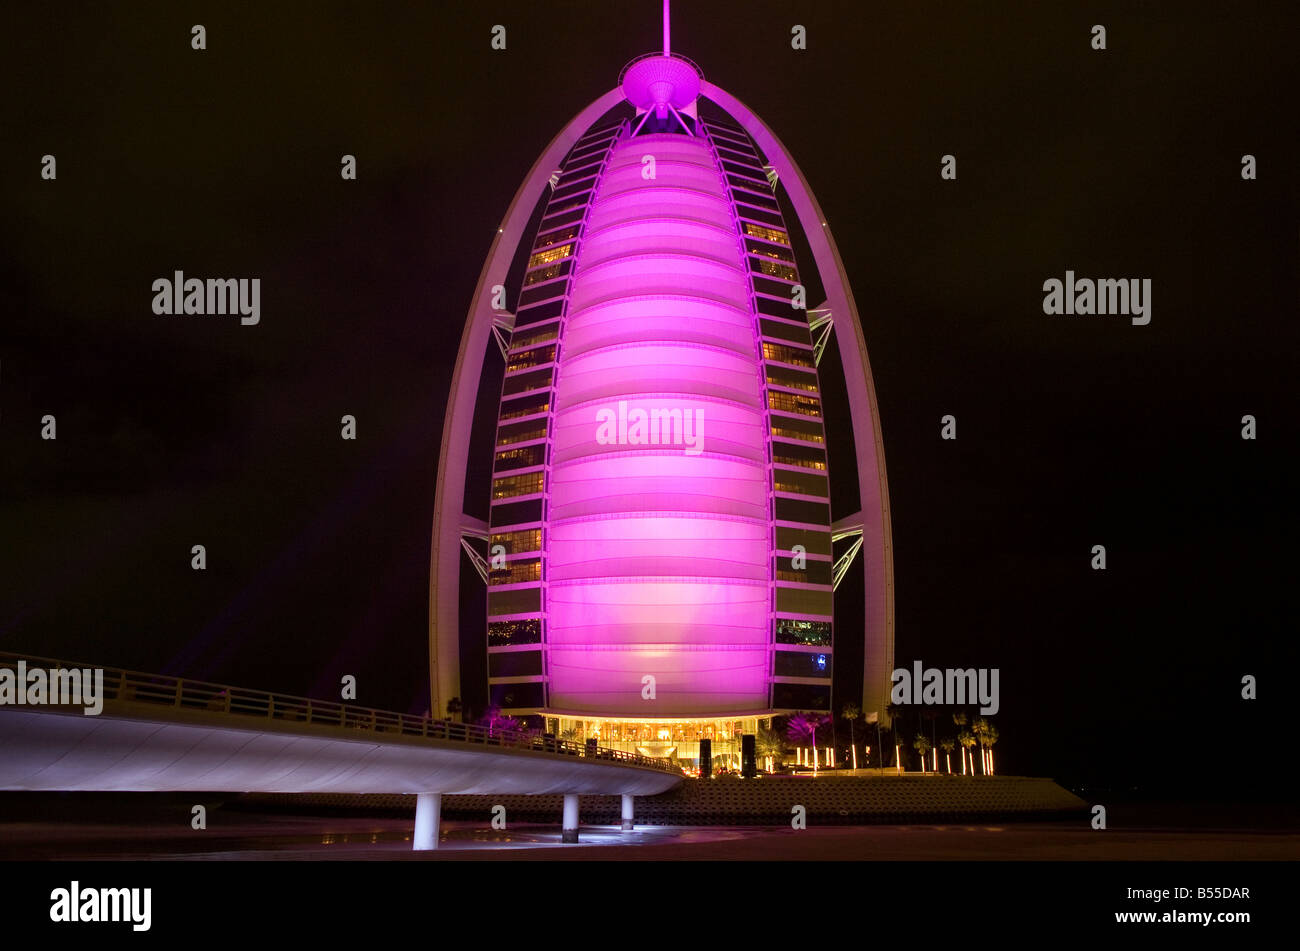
(182, 295)
(949, 686)
(1085, 297)
(57, 686)
(661, 425)
(77, 904)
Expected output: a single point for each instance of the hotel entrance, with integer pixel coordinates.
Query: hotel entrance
(666, 739)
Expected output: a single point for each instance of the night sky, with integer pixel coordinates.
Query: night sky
(176, 431)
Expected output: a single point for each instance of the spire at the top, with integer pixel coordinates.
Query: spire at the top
(662, 83)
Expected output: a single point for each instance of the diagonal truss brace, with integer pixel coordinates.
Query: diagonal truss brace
(820, 323)
(848, 527)
(476, 529)
(503, 328)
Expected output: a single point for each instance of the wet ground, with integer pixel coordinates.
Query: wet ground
(139, 830)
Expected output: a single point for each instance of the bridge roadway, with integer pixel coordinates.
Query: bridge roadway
(163, 734)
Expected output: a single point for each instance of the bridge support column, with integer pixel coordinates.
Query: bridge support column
(428, 821)
(628, 812)
(570, 833)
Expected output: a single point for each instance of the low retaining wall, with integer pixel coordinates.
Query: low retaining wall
(829, 800)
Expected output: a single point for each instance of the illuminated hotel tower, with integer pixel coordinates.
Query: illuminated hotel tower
(658, 556)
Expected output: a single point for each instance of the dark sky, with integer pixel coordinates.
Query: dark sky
(1072, 432)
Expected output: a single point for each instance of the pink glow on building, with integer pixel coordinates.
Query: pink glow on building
(658, 560)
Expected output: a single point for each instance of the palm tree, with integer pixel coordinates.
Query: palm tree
(895, 711)
(852, 712)
(454, 708)
(981, 729)
(946, 744)
(496, 722)
(922, 744)
(802, 727)
(572, 735)
(990, 738)
(967, 740)
(769, 744)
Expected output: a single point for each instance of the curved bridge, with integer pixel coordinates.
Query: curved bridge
(165, 734)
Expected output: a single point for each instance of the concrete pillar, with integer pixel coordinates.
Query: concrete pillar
(570, 818)
(627, 812)
(428, 821)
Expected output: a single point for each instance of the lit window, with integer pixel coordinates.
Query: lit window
(506, 438)
(784, 354)
(517, 572)
(550, 255)
(770, 251)
(528, 539)
(795, 380)
(511, 486)
(794, 403)
(525, 359)
(546, 273)
(774, 269)
(767, 234)
(781, 428)
(520, 458)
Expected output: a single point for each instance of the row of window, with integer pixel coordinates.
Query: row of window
(794, 403)
(800, 483)
(750, 184)
(506, 633)
(784, 664)
(783, 354)
(527, 359)
(573, 191)
(814, 572)
(791, 333)
(530, 312)
(795, 429)
(547, 273)
(769, 251)
(521, 458)
(503, 602)
(792, 664)
(545, 240)
(524, 540)
(523, 382)
(508, 487)
(529, 338)
(806, 457)
(757, 214)
(551, 254)
(801, 510)
(815, 601)
(793, 379)
(767, 234)
(528, 406)
(517, 572)
(532, 696)
(510, 514)
(800, 631)
(734, 154)
(774, 269)
(580, 170)
(515, 664)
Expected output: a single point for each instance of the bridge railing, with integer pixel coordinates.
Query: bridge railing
(131, 686)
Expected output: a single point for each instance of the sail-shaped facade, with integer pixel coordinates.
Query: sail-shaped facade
(659, 546)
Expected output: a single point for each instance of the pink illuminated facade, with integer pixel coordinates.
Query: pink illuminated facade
(659, 548)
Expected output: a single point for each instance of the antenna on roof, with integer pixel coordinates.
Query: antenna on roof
(667, 50)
